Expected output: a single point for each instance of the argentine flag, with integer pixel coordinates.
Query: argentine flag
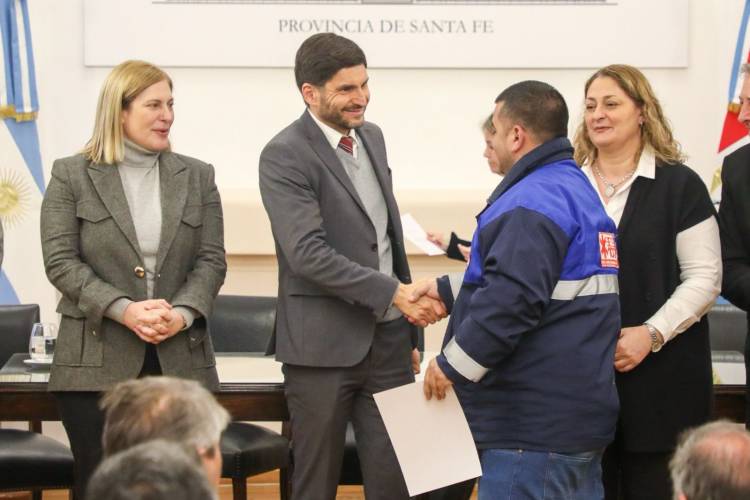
(22, 183)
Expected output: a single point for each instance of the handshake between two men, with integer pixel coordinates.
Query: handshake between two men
(420, 302)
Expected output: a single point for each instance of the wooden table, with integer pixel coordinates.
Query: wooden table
(252, 399)
(729, 402)
(244, 397)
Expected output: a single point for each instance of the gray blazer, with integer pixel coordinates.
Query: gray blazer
(91, 251)
(330, 290)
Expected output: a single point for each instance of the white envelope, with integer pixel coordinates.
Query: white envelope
(417, 235)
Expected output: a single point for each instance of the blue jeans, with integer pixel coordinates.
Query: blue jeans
(535, 475)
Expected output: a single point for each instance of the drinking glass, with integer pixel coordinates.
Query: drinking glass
(42, 342)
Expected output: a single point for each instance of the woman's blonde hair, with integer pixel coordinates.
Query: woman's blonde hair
(123, 84)
(656, 132)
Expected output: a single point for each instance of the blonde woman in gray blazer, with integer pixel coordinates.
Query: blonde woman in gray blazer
(132, 237)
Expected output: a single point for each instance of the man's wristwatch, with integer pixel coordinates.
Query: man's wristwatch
(656, 340)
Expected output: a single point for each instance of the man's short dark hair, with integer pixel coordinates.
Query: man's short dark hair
(154, 470)
(538, 107)
(321, 56)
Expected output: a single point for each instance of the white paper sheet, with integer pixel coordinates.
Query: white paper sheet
(414, 233)
(249, 369)
(728, 367)
(729, 373)
(432, 439)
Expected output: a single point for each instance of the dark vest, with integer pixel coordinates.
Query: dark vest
(670, 390)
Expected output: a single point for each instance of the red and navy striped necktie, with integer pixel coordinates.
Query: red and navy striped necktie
(347, 144)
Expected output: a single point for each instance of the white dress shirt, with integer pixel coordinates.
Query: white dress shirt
(334, 136)
(698, 253)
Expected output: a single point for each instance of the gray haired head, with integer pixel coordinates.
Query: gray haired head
(712, 462)
(155, 470)
(168, 408)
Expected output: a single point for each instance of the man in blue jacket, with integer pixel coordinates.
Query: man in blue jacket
(530, 345)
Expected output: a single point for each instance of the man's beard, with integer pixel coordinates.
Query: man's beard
(336, 117)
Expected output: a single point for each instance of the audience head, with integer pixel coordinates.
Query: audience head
(712, 462)
(488, 130)
(135, 102)
(487, 126)
(331, 73)
(177, 410)
(744, 112)
(526, 115)
(622, 111)
(155, 470)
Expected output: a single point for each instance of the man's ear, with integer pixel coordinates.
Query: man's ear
(310, 94)
(519, 137)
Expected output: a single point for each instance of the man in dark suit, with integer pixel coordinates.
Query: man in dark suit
(734, 224)
(343, 275)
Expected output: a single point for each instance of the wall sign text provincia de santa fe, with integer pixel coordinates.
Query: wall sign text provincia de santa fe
(393, 33)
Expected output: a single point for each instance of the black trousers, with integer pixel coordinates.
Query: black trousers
(84, 424)
(635, 476)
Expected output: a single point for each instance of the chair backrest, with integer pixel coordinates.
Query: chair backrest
(242, 323)
(15, 327)
(727, 327)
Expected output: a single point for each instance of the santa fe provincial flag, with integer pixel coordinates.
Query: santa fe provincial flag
(22, 279)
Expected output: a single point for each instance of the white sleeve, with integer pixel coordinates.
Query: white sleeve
(699, 255)
(456, 280)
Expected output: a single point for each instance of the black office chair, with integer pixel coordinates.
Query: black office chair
(15, 328)
(31, 461)
(727, 327)
(245, 324)
(28, 460)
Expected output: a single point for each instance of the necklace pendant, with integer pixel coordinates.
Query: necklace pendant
(609, 190)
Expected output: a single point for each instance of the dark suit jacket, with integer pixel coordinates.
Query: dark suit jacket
(670, 390)
(330, 290)
(90, 252)
(734, 223)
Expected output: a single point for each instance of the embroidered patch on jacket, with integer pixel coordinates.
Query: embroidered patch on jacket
(608, 250)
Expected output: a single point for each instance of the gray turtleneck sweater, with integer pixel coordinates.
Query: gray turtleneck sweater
(139, 173)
